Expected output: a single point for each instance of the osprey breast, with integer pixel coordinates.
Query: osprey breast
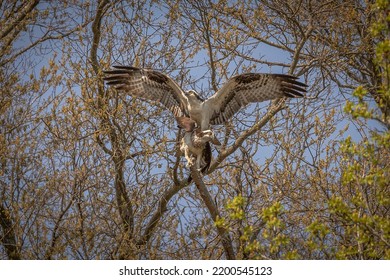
(197, 141)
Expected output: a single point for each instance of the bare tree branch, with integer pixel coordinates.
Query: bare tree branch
(214, 213)
(274, 108)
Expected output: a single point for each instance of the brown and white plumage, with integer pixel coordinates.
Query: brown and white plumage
(247, 88)
(196, 144)
(237, 92)
(149, 85)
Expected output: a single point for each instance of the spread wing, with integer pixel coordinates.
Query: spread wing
(243, 89)
(149, 85)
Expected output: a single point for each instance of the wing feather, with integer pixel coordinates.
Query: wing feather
(243, 89)
(149, 85)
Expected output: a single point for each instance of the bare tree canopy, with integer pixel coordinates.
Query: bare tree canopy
(90, 172)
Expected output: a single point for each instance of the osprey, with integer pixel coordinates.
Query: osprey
(195, 143)
(236, 93)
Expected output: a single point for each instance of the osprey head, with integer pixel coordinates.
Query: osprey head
(193, 95)
(206, 136)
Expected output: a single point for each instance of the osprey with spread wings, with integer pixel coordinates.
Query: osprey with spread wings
(195, 114)
(236, 93)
